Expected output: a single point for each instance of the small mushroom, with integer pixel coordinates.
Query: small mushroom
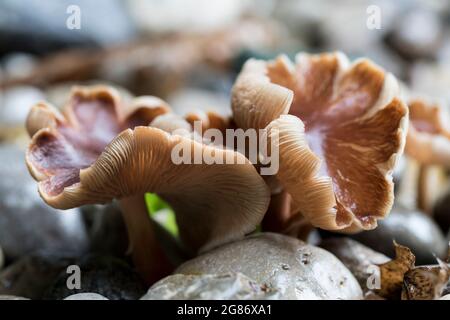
(428, 143)
(341, 128)
(428, 139)
(209, 120)
(91, 154)
(421, 186)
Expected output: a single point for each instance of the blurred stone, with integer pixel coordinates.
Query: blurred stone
(417, 33)
(107, 276)
(444, 52)
(154, 16)
(16, 102)
(86, 296)
(409, 228)
(4, 297)
(107, 230)
(164, 65)
(233, 286)
(31, 276)
(370, 295)
(355, 256)
(296, 270)
(27, 224)
(388, 60)
(2, 258)
(18, 64)
(345, 29)
(431, 79)
(40, 28)
(441, 212)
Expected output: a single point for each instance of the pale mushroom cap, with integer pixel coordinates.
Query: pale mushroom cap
(76, 164)
(171, 122)
(341, 126)
(428, 139)
(209, 120)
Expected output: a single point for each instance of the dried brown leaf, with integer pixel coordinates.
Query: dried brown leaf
(392, 272)
(425, 282)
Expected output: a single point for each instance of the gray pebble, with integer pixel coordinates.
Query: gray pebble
(296, 270)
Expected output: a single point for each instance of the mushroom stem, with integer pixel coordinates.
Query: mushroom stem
(298, 227)
(432, 184)
(278, 213)
(149, 259)
(421, 185)
(409, 185)
(421, 192)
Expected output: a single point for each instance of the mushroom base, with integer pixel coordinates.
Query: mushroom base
(148, 257)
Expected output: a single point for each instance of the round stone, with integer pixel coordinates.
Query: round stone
(293, 268)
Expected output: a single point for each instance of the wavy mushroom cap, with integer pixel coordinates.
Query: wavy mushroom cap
(340, 126)
(90, 154)
(428, 139)
(209, 120)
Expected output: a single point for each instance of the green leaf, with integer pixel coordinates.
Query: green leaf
(162, 213)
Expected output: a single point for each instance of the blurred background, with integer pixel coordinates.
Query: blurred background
(191, 50)
(187, 52)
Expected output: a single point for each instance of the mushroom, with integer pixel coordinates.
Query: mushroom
(208, 119)
(91, 154)
(428, 139)
(428, 148)
(341, 128)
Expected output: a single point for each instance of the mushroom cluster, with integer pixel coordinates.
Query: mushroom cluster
(339, 127)
(102, 147)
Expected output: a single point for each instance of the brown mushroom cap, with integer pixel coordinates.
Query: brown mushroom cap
(89, 156)
(341, 127)
(428, 139)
